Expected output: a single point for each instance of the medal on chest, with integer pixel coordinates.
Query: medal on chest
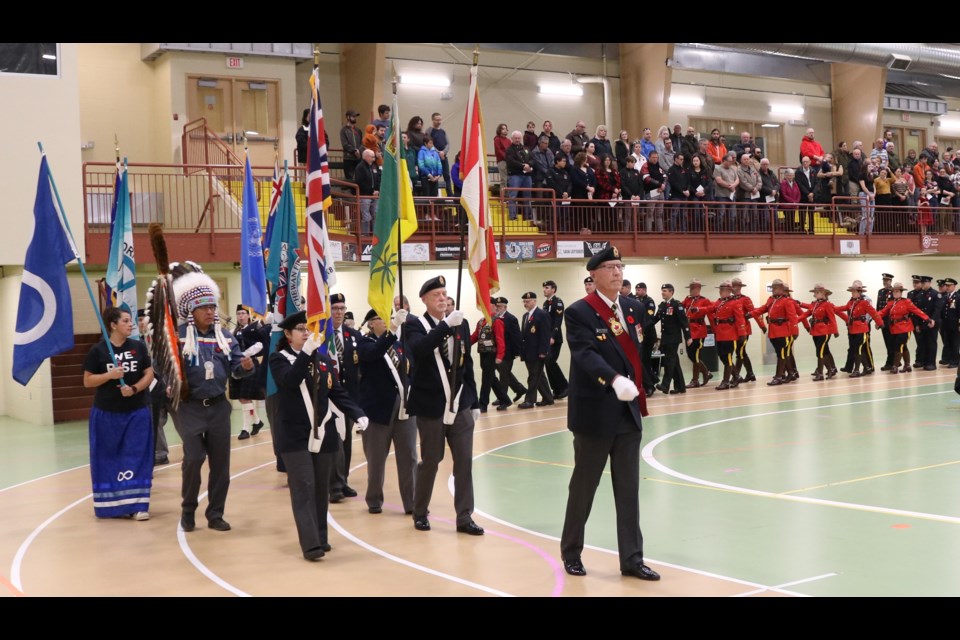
(615, 325)
(208, 370)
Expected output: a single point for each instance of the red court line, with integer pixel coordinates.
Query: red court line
(12, 589)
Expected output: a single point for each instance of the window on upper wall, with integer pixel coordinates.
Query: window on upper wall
(33, 58)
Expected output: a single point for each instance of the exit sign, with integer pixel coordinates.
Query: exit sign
(234, 62)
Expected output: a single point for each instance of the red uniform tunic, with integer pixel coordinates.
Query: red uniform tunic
(746, 304)
(726, 318)
(822, 314)
(498, 335)
(698, 318)
(781, 316)
(798, 309)
(899, 311)
(859, 312)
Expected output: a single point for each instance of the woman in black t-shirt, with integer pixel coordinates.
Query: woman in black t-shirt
(121, 431)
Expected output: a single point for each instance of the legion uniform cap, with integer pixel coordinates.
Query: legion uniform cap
(290, 322)
(610, 253)
(336, 298)
(587, 279)
(529, 295)
(887, 276)
(641, 285)
(549, 283)
(348, 315)
(370, 316)
(141, 313)
(434, 283)
(926, 278)
(625, 283)
(240, 307)
(666, 286)
(949, 281)
(501, 300)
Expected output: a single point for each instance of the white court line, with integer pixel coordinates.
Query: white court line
(708, 574)
(787, 584)
(648, 455)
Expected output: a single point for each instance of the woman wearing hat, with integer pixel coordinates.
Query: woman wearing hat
(306, 436)
(823, 324)
(781, 316)
(859, 312)
(899, 310)
(726, 318)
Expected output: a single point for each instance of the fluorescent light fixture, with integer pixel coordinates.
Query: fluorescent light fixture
(49, 56)
(561, 89)
(769, 125)
(425, 80)
(787, 109)
(950, 123)
(686, 101)
(252, 133)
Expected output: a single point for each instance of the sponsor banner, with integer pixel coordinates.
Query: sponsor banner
(336, 250)
(415, 251)
(849, 247)
(570, 249)
(591, 249)
(544, 250)
(365, 254)
(448, 251)
(931, 244)
(519, 250)
(350, 252)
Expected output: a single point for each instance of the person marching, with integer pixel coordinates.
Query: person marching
(648, 321)
(435, 340)
(859, 312)
(251, 390)
(743, 335)
(491, 345)
(781, 316)
(727, 319)
(951, 324)
(553, 306)
(305, 431)
(931, 302)
(823, 324)
(792, 373)
(536, 330)
(384, 383)
(588, 286)
(674, 329)
(698, 333)
(913, 295)
(901, 313)
(512, 345)
(346, 361)
(605, 414)
(883, 297)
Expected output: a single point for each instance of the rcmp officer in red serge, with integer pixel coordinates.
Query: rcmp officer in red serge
(899, 314)
(535, 330)
(859, 312)
(726, 318)
(553, 306)
(347, 362)
(823, 324)
(606, 403)
(698, 332)
(436, 341)
(781, 316)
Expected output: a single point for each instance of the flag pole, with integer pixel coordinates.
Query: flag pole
(83, 271)
(395, 116)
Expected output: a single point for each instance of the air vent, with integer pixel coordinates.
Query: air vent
(899, 62)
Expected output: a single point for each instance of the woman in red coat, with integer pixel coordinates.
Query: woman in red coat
(897, 315)
(823, 324)
(502, 142)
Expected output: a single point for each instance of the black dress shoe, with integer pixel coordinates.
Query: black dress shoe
(313, 554)
(560, 396)
(544, 403)
(662, 388)
(495, 403)
(219, 524)
(408, 512)
(886, 367)
(650, 391)
(375, 509)
(517, 397)
(483, 409)
(336, 497)
(504, 407)
(750, 378)
(160, 461)
(641, 571)
(421, 524)
(526, 405)
(326, 547)
(256, 428)
(187, 522)
(774, 382)
(574, 567)
(930, 367)
(244, 434)
(471, 528)
(674, 391)
(349, 492)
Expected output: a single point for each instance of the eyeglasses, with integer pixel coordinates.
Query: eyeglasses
(303, 328)
(612, 267)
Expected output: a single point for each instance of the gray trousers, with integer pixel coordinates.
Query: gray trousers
(376, 447)
(341, 468)
(590, 458)
(308, 477)
(459, 436)
(205, 432)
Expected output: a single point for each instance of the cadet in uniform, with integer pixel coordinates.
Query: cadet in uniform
(588, 286)
(951, 325)
(859, 312)
(740, 353)
(698, 333)
(781, 316)
(511, 329)
(490, 340)
(553, 306)
(346, 361)
(251, 390)
(883, 296)
(912, 297)
(437, 342)
(648, 322)
(823, 325)
(605, 413)
(535, 347)
(931, 303)
(674, 328)
(899, 314)
(726, 318)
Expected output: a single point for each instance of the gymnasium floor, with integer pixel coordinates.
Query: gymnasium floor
(813, 489)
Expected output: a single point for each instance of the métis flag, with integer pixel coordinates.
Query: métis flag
(474, 199)
(121, 267)
(283, 266)
(322, 275)
(395, 213)
(45, 314)
(253, 282)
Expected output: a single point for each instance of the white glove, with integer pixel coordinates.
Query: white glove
(310, 345)
(455, 318)
(475, 413)
(361, 424)
(253, 349)
(625, 389)
(275, 318)
(397, 320)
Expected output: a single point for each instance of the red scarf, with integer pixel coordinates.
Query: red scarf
(626, 344)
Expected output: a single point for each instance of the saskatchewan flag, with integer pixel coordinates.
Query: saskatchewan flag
(396, 220)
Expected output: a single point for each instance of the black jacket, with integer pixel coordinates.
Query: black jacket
(426, 389)
(367, 177)
(674, 325)
(511, 330)
(378, 388)
(536, 329)
(350, 362)
(554, 310)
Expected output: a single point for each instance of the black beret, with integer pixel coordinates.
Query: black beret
(501, 300)
(549, 283)
(348, 315)
(587, 279)
(141, 313)
(240, 307)
(625, 283)
(433, 283)
(667, 286)
(290, 322)
(610, 253)
(641, 285)
(529, 295)
(370, 316)
(337, 298)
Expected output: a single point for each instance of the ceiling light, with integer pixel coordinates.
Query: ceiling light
(561, 89)
(686, 101)
(786, 109)
(425, 81)
(769, 125)
(49, 56)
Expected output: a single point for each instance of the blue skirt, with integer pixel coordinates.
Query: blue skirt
(121, 461)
